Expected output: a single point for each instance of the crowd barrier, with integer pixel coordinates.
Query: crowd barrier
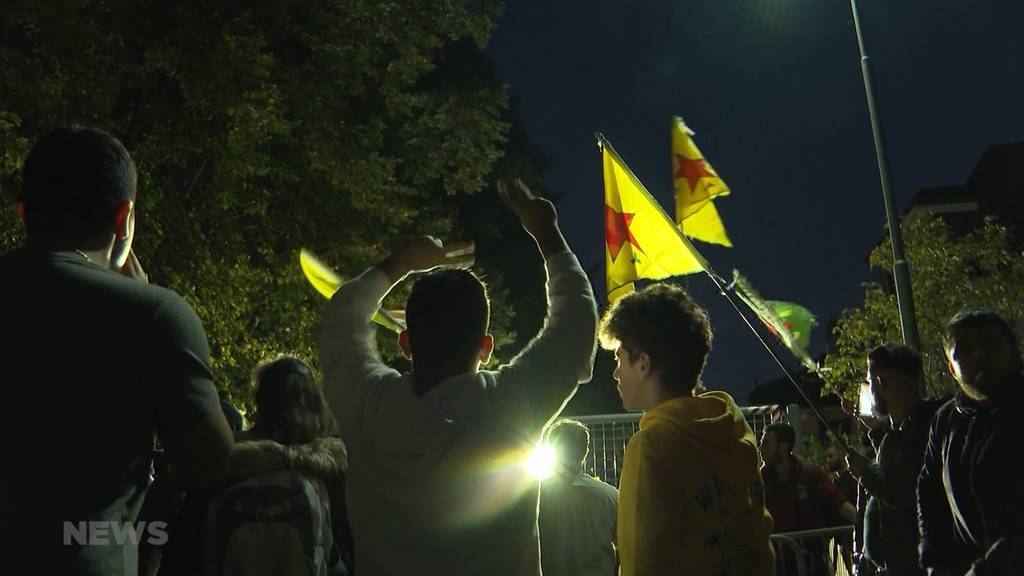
(821, 552)
(609, 434)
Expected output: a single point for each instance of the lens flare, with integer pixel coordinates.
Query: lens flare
(541, 462)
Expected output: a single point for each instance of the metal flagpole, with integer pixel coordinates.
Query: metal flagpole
(900, 267)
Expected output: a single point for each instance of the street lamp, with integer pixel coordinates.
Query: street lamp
(900, 267)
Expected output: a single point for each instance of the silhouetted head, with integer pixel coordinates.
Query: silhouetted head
(661, 339)
(447, 315)
(835, 458)
(894, 375)
(290, 407)
(78, 189)
(777, 443)
(981, 349)
(570, 441)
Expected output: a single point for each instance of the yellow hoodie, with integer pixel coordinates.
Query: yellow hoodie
(691, 499)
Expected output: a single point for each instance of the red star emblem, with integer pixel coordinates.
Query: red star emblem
(616, 230)
(693, 170)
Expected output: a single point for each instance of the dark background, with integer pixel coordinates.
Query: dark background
(774, 91)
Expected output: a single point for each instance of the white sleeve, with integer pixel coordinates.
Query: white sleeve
(346, 342)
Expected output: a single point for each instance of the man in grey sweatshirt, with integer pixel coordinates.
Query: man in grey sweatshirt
(436, 482)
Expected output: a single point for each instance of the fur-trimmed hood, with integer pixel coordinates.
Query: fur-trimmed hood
(323, 457)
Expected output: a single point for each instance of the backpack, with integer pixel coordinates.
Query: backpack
(275, 523)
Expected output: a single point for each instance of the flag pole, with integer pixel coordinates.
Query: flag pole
(723, 290)
(900, 266)
(720, 283)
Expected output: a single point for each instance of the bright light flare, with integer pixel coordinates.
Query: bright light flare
(866, 401)
(541, 462)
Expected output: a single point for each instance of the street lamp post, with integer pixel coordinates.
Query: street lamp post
(900, 267)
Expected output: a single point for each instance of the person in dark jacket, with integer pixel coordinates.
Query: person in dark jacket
(969, 492)
(895, 377)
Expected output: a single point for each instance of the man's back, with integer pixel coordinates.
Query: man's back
(436, 482)
(577, 526)
(94, 364)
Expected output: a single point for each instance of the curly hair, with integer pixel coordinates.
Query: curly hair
(664, 322)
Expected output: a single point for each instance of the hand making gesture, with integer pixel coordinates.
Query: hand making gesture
(425, 253)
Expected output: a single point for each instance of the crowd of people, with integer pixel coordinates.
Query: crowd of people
(124, 459)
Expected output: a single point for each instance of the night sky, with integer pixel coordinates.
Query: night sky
(774, 91)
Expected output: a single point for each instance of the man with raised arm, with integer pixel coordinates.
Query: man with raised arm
(436, 479)
(95, 362)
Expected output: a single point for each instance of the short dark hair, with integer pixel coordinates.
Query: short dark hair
(447, 315)
(665, 322)
(571, 441)
(290, 407)
(898, 357)
(978, 317)
(73, 181)
(784, 433)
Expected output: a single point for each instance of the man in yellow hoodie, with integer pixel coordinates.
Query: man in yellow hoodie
(691, 500)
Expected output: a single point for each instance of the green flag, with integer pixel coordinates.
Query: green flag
(796, 319)
(790, 323)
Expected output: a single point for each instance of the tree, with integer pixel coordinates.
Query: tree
(949, 272)
(261, 127)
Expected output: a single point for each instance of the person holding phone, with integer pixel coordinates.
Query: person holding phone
(96, 363)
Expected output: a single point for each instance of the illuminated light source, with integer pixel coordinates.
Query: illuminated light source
(541, 462)
(866, 401)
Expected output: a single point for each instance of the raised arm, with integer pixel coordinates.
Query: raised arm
(562, 355)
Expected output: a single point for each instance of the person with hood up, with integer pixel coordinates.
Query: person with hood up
(691, 499)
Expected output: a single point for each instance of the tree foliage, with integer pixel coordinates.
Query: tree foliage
(983, 268)
(262, 127)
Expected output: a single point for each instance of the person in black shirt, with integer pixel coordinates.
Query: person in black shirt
(895, 377)
(970, 494)
(96, 362)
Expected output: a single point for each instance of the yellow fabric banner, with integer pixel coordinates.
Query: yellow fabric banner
(641, 241)
(696, 183)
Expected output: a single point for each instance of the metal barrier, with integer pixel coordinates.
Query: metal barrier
(609, 434)
(813, 552)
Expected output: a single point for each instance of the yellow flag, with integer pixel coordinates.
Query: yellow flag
(706, 225)
(641, 241)
(696, 183)
(326, 281)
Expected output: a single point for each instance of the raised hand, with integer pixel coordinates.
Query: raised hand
(536, 214)
(426, 253)
(533, 211)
